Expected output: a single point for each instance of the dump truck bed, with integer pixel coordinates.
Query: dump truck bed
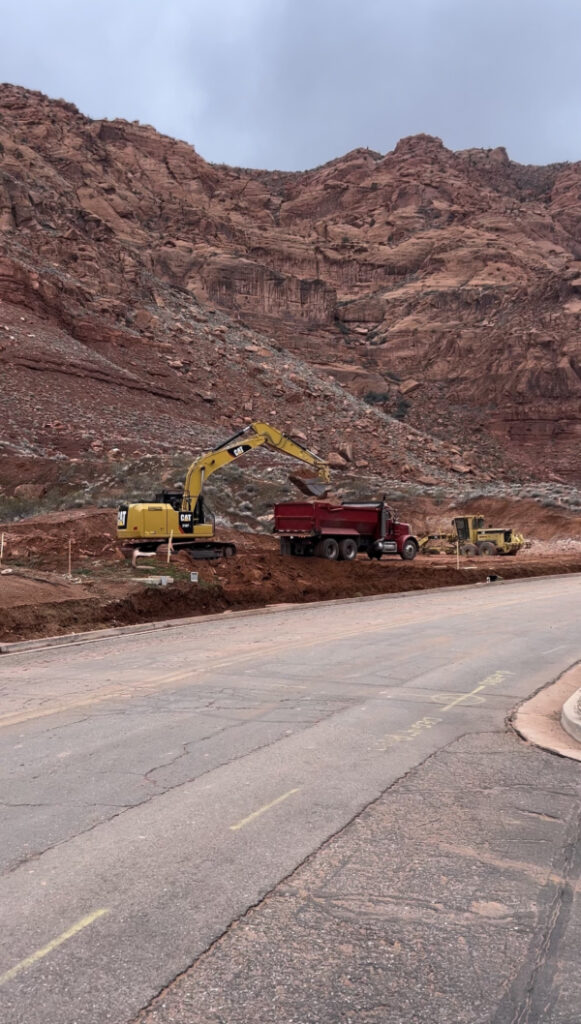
(324, 517)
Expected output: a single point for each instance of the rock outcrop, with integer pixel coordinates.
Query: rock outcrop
(422, 306)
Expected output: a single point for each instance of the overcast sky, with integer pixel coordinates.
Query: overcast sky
(293, 83)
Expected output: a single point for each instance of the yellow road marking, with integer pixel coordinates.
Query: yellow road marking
(261, 810)
(429, 721)
(463, 697)
(40, 953)
(444, 698)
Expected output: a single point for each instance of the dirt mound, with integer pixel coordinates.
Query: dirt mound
(43, 541)
(19, 590)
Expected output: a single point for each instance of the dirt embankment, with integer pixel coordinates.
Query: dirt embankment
(271, 580)
(38, 599)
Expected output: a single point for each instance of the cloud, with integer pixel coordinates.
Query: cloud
(292, 83)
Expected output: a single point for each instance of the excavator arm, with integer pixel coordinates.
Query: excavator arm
(253, 436)
(172, 516)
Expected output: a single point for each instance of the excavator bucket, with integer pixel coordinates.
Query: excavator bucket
(312, 486)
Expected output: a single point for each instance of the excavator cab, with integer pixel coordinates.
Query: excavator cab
(176, 500)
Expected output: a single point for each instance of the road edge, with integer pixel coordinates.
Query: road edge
(539, 719)
(96, 635)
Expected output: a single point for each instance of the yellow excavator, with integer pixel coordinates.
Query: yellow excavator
(180, 517)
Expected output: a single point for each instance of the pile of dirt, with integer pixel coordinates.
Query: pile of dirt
(43, 541)
(21, 589)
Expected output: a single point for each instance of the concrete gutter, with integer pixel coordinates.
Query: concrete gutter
(571, 716)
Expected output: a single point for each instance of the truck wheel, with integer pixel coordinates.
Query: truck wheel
(486, 547)
(348, 549)
(470, 550)
(328, 548)
(409, 550)
(285, 546)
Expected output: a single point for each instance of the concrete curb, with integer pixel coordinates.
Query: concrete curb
(538, 719)
(571, 716)
(97, 635)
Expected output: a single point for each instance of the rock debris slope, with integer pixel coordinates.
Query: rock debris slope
(417, 314)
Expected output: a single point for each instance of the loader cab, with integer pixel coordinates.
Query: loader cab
(467, 527)
(462, 526)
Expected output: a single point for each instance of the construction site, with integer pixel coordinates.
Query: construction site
(290, 526)
(42, 594)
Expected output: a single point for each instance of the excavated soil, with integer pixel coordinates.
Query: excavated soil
(38, 598)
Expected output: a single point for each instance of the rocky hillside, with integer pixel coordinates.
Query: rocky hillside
(417, 313)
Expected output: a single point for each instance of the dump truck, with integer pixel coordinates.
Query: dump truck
(473, 538)
(341, 531)
(180, 518)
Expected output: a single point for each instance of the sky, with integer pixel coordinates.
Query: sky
(290, 84)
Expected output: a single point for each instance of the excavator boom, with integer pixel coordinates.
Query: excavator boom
(253, 436)
(179, 517)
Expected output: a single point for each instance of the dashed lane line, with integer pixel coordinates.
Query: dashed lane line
(52, 945)
(262, 810)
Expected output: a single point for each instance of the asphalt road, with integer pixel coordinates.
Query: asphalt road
(156, 787)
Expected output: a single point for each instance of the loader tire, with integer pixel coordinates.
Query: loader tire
(486, 547)
(470, 550)
(348, 549)
(328, 548)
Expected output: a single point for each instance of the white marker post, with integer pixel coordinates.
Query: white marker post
(169, 547)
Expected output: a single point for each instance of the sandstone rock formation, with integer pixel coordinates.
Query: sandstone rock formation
(421, 307)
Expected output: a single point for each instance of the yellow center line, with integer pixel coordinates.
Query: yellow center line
(463, 696)
(54, 944)
(261, 810)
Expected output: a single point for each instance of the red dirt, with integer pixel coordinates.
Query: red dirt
(40, 601)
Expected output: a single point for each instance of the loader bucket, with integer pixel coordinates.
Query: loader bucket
(312, 486)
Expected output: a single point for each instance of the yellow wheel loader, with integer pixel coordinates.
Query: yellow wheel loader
(180, 516)
(474, 539)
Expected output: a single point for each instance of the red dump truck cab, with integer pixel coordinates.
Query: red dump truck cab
(333, 531)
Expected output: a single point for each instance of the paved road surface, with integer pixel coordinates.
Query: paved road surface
(156, 787)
